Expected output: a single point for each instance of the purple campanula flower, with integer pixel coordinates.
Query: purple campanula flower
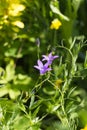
(42, 68)
(49, 58)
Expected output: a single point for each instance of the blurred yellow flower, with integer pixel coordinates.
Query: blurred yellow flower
(55, 24)
(85, 128)
(18, 24)
(15, 9)
(58, 82)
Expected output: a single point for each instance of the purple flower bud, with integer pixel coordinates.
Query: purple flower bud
(38, 42)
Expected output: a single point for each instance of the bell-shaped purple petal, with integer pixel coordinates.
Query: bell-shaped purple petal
(42, 68)
(40, 64)
(45, 57)
(49, 58)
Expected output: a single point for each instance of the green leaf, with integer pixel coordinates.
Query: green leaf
(3, 91)
(10, 71)
(32, 100)
(36, 104)
(85, 62)
(76, 4)
(36, 111)
(14, 93)
(57, 11)
(22, 107)
(22, 82)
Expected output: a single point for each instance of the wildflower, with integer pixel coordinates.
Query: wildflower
(55, 24)
(42, 68)
(85, 128)
(49, 58)
(58, 82)
(15, 9)
(18, 24)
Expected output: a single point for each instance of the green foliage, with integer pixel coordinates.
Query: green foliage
(58, 99)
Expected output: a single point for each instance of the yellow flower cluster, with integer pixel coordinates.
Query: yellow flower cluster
(11, 14)
(15, 9)
(85, 128)
(55, 24)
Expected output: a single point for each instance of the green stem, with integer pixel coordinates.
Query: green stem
(55, 38)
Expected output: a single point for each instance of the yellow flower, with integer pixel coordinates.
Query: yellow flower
(55, 24)
(85, 128)
(58, 82)
(18, 24)
(15, 9)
